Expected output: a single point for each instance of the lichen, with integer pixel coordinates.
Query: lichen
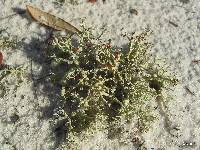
(10, 75)
(100, 83)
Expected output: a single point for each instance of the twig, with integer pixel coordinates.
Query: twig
(189, 91)
(196, 61)
(103, 31)
(43, 77)
(172, 23)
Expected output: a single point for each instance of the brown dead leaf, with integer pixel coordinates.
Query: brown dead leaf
(1, 58)
(92, 1)
(50, 20)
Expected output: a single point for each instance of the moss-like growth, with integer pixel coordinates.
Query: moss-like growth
(6, 42)
(9, 75)
(101, 86)
(62, 2)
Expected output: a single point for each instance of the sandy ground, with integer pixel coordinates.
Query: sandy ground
(176, 37)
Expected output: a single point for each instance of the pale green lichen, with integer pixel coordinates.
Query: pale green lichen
(62, 2)
(106, 85)
(7, 42)
(10, 76)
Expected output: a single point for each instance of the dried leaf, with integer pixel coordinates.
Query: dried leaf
(92, 1)
(51, 20)
(1, 58)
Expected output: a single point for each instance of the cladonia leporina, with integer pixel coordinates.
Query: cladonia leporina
(101, 85)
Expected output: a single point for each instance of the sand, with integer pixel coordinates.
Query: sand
(25, 122)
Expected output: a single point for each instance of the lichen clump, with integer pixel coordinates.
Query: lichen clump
(9, 75)
(98, 81)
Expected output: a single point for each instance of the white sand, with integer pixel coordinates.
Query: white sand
(179, 45)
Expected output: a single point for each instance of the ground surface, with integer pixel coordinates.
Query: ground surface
(25, 122)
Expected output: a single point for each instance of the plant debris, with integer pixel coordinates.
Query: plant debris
(172, 23)
(51, 20)
(196, 61)
(189, 91)
(1, 58)
(92, 1)
(134, 11)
